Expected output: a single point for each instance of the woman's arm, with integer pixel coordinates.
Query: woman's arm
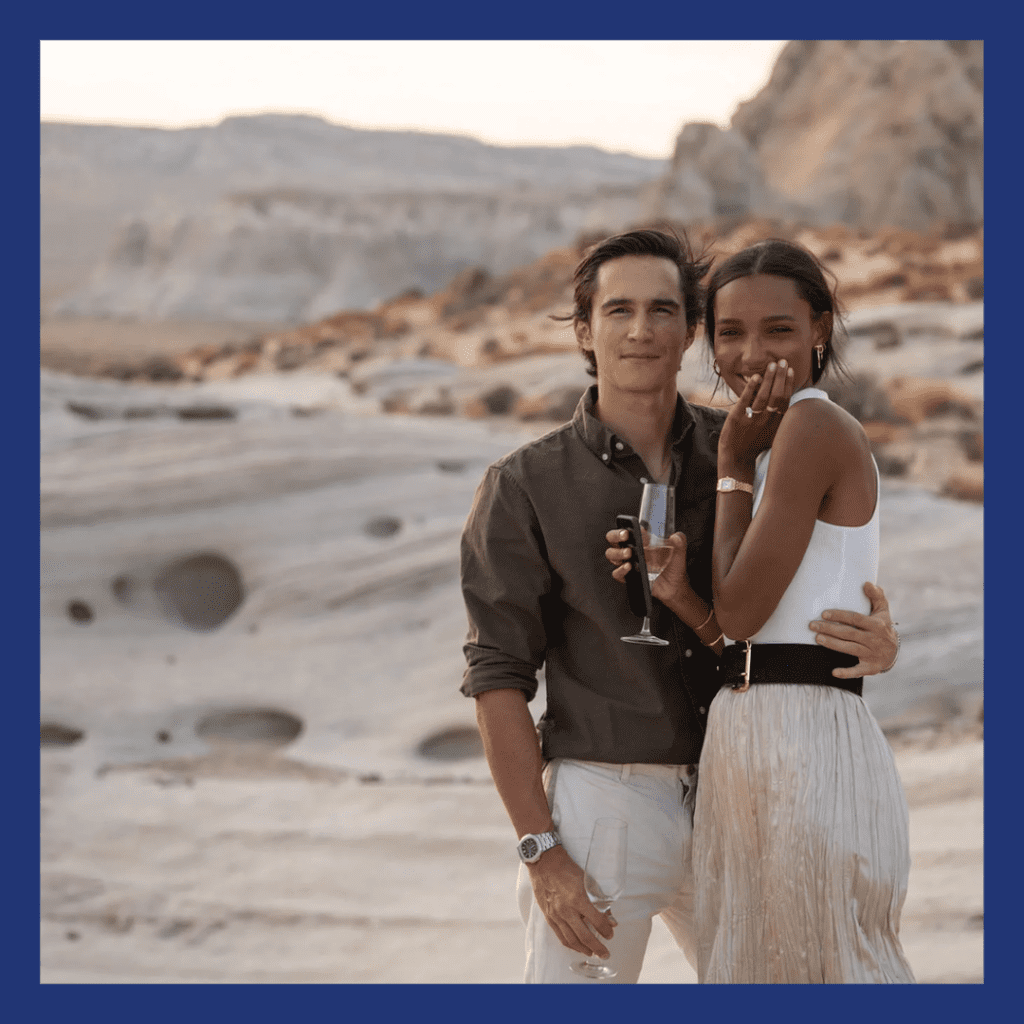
(755, 561)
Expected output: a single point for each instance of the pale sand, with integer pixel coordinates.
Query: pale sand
(151, 878)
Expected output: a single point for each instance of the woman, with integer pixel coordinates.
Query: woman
(801, 851)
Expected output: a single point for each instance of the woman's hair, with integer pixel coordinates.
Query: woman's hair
(643, 242)
(779, 258)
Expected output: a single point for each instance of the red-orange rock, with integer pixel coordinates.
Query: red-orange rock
(915, 398)
(884, 433)
(967, 484)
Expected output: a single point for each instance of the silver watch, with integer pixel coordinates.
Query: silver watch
(531, 846)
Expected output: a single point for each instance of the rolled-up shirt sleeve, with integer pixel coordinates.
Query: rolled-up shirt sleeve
(505, 579)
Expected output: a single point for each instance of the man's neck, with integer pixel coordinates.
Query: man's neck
(644, 421)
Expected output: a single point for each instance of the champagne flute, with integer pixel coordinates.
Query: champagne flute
(658, 521)
(604, 878)
(638, 584)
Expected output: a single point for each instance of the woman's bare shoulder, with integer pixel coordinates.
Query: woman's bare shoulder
(815, 420)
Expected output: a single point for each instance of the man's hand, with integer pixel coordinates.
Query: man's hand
(872, 638)
(514, 756)
(558, 888)
(672, 587)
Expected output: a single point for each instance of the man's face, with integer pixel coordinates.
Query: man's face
(637, 328)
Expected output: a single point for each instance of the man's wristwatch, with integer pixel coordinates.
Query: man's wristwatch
(531, 846)
(728, 483)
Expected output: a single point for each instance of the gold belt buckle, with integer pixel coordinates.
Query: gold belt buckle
(746, 671)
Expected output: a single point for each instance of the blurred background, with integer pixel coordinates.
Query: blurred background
(295, 297)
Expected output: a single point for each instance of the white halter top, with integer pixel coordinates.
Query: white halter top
(838, 562)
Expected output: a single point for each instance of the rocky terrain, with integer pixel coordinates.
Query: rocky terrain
(255, 762)
(253, 745)
(280, 218)
(870, 133)
(483, 347)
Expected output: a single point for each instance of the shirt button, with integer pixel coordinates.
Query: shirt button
(619, 445)
(703, 711)
(688, 653)
(604, 456)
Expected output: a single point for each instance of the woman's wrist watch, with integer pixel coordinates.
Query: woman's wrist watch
(729, 483)
(531, 846)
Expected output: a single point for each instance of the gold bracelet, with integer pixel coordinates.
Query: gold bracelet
(711, 615)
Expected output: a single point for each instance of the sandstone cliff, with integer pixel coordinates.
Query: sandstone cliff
(872, 133)
(286, 217)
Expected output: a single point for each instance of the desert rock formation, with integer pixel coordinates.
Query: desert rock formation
(874, 133)
(253, 744)
(286, 218)
(289, 217)
(479, 348)
(871, 133)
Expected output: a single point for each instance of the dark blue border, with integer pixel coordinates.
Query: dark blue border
(597, 20)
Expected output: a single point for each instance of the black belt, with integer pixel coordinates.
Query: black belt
(786, 663)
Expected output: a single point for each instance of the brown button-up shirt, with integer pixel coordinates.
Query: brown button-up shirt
(539, 591)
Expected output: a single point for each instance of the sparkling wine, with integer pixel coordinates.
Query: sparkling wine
(657, 558)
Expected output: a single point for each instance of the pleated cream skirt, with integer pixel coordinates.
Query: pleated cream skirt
(801, 849)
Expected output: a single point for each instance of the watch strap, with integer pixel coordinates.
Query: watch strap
(729, 483)
(532, 845)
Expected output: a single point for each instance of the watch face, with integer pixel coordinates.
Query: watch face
(529, 848)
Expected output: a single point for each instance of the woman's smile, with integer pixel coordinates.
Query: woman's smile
(760, 320)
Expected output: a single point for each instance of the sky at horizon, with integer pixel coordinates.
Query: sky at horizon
(622, 96)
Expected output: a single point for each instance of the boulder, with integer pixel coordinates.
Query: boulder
(495, 401)
(714, 173)
(861, 395)
(966, 484)
(915, 399)
(873, 132)
(557, 405)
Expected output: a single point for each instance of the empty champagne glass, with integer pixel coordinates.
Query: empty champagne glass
(604, 878)
(658, 522)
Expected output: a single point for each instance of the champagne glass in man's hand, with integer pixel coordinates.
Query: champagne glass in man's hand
(604, 878)
(651, 553)
(658, 523)
(638, 586)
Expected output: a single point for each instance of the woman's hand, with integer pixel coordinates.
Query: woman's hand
(672, 587)
(744, 437)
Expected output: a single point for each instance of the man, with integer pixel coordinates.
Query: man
(623, 727)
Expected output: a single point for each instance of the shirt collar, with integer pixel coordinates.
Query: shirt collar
(607, 445)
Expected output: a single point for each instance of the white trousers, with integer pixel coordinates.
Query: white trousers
(657, 803)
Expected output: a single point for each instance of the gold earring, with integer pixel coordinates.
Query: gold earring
(819, 351)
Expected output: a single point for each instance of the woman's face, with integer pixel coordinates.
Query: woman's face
(761, 319)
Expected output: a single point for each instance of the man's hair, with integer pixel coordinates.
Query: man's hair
(780, 258)
(643, 242)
